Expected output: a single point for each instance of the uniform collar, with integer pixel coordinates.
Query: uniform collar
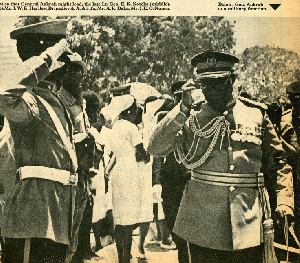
(43, 92)
(44, 84)
(66, 96)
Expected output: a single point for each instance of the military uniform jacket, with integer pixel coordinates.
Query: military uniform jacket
(217, 216)
(36, 207)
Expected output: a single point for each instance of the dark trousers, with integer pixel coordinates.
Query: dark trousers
(172, 198)
(206, 255)
(123, 236)
(42, 250)
(181, 245)
(84, 250)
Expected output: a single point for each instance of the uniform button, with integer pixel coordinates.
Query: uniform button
(231, 188)
(229, 148)
(231, 167)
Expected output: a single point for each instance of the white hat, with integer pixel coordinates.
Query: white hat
(141, 91)
(116, 106)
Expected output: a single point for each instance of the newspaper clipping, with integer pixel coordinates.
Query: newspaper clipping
(149, 131)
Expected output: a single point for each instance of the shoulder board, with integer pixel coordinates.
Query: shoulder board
(287, 116)
(252, 103)
(289, 111)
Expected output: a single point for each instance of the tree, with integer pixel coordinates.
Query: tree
(111, 46)
(264, 72)
(174, 40)
(155, 50)
(28, 20)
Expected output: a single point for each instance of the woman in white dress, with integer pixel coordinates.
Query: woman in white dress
(126, 180)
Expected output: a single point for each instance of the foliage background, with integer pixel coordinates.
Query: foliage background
(158, 50)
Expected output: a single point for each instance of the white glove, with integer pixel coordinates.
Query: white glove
(79, 137)
(187, 99)
(55, 52)
(156, 193)
(93, 132)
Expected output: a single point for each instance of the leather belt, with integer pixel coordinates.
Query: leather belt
(228, 179)
(47, 173)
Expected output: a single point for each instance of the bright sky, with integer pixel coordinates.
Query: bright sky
(261, 31)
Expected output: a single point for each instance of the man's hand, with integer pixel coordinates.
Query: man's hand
(187, 100)
(55, 54)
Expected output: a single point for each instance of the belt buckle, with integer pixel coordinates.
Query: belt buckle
(73, 179)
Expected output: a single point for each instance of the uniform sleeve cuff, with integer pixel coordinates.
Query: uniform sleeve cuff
(177, 116)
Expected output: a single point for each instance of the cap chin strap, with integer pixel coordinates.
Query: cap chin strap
(214, 75)
(221, 85)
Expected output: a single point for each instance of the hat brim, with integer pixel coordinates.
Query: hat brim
(202, 57)
(116, 106)
(53, 27)
(214, 75)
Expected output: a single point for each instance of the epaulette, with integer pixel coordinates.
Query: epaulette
(252, 103)
(287, 116)
(286, 112)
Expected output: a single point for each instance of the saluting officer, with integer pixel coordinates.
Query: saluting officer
(39, 213)
(227, 144)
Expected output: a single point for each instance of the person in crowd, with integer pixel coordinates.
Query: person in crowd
(274, 112)
(174, 177)
(152, 187)
(226, 145)
(293, 92)
(103, 226)
(41, 214)
(145, 170)
(88, 107)
(70, 95)
(290, 126)
(92, 106)
(157, 108)
(283, 103)
(164, 233)
(126, 144)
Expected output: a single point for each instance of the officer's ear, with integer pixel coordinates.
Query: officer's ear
(233, 78)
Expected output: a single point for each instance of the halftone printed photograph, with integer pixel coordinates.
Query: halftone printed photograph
(149, 132)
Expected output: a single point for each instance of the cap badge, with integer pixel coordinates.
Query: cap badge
(211, 62)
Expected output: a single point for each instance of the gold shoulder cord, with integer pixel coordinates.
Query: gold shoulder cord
(216, 125)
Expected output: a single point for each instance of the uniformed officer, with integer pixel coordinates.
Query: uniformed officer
(290, 134)
(227, 144)
(39, 213)
(72, 74)
(293, 92)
